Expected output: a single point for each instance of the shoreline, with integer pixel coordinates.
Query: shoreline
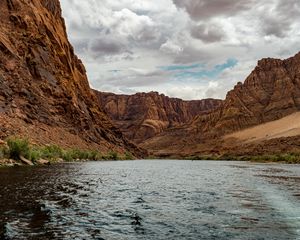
(16, 152)
(10, 163)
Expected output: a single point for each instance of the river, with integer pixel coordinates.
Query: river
(151, 199)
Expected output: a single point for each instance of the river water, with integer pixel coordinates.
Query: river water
(151, 199)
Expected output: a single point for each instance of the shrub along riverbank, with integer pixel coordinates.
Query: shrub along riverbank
(290, 158)
(17, 151)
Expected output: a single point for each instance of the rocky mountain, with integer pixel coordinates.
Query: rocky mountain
(44, 91)
(270, 92)
(144, 115)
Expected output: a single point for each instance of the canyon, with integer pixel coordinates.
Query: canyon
(44, 91)
(45, 96)
(269, 93)
(144, 115)
(67, 150)
(266, 105)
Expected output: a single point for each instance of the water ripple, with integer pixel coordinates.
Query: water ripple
(151, 200)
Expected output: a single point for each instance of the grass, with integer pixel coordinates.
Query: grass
(51, 152)
(128, 156)
(77, 154)
(280, 157)
(286, 158)
(16, 148)
(35, 154)
(202, 157)
(112, 156)
(3, 152)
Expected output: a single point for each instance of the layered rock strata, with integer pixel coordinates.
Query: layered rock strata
(144, 115)
(44, 91)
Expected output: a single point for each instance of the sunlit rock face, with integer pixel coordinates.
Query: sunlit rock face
(44, 91)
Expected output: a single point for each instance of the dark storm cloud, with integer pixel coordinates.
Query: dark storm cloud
(207, 33)
(273, 26)
(130, 39)
(289, 8)
(106, 47)
(136, 78)
(205, 9)
(279, 20)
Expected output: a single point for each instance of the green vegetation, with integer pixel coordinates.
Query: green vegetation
(128, 156)
(51, 152)
(77, 154)
(203, 157)
(3, 152)
(15, 148)
(35, 154)
(18, 148)
(284, 158)
(112, 156)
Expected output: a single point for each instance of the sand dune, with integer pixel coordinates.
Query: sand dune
(285, 127)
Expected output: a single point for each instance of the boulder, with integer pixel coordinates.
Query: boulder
(43, 162)
(26, 161)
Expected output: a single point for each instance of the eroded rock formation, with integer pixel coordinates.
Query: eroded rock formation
(270, 92)
(144, 115)
(44, 91)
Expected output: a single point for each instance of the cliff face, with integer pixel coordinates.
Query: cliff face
(44, 91)
(270, 92)
(144, 115)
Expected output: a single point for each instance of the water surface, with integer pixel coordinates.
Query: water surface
(151, 200)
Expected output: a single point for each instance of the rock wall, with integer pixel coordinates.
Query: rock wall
(144, 115)
(270, 92)
(43, 83)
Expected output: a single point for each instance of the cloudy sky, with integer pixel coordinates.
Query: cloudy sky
(190, 49)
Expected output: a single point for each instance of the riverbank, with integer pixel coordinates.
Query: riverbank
(41, 162)
(19, 152)
(5, 162)
(288, 158)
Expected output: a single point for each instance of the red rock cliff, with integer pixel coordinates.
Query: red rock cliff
(44, 91)
(270, 92)
(144, 115)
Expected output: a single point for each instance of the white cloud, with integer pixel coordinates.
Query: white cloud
(124, 42)
(170, 47)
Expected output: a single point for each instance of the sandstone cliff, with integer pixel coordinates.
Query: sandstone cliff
(144, 115)
(270, 92)
(44, 91)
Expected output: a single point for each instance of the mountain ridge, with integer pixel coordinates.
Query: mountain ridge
(270, 92)
(44, 86)
(143, 115)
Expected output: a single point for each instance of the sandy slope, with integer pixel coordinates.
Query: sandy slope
(285, 127)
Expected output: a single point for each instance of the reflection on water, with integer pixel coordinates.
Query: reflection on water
(151, 200)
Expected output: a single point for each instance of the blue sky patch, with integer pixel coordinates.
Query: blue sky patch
(198, 71)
